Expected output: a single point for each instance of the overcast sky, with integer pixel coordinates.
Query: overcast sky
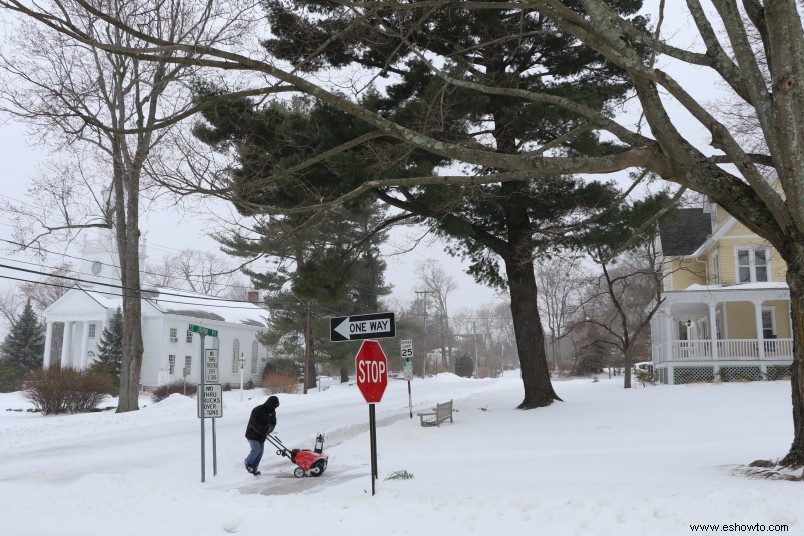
(169, 229)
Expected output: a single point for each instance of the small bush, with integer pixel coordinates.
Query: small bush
(226, 387)
(11, 374)
(644, 377)
(67, 390)
(250, 384)
(177, 386)
(110, 370)
(464, 366)
(280, 383)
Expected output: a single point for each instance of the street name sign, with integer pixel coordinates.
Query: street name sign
(202, 330)
(210, 401)
(358, 327)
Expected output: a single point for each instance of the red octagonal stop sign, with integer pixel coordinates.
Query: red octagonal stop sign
(371, 367)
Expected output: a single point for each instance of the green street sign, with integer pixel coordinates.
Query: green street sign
(203, 331)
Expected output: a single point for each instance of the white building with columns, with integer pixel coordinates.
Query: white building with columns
(171, 351)
(725, 313)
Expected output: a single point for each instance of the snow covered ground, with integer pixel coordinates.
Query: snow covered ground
(606, 461)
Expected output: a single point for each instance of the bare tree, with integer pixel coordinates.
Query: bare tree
(728, 172)
(110, 112)
(199, 271)
(560, 281)
(433, 280)
(622, 300)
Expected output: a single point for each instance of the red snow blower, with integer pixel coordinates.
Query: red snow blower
(308, 462)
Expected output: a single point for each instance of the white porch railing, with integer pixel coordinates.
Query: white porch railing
(727, 350)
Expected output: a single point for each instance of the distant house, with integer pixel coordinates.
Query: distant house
(726, 309)
(172, 352)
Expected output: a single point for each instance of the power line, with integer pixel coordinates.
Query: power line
(120, 287)
(196, 279)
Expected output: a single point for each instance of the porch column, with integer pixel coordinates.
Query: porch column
(760, 338)
(84, 344)
(713, 330)
(66, 346)
(48, 345)
(669, 354)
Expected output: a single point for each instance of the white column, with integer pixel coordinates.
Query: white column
(84, 344)
(668, 327)
(713, 329)
(48, 345)
(758, 319)
(66, 346)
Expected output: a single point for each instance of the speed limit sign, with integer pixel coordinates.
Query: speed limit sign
(407, 348)
(407, 354)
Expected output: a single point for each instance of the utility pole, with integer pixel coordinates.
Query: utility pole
(424, 362)
(474, 328)
(307, 336)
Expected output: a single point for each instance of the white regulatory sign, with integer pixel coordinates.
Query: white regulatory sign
(210, 401)
(406, 352)
(211, 366)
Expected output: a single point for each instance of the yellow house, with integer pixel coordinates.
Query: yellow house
(725, 312)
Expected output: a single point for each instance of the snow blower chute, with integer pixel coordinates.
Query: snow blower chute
(308, 462)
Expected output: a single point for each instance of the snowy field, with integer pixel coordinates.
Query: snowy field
(607, 461)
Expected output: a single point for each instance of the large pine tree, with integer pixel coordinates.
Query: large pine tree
(25, 343)
(320, 266)
(501, 227)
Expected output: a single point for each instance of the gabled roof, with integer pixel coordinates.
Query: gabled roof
(684, 231)
(171, 302)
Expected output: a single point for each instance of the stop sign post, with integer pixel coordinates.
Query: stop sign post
(371, 367)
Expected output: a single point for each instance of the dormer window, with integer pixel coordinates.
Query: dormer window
(752, 265)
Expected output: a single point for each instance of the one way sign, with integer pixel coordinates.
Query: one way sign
(356, 327)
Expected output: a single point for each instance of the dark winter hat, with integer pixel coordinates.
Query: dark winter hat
(272, 401)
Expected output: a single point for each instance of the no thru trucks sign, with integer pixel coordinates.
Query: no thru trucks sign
(210, 401)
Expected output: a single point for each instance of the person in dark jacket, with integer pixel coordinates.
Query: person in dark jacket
(261, 423)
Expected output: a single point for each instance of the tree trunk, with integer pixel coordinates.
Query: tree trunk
(128, 245)
(795, 280)
(127, 199)
(529, 336)
(629, 360)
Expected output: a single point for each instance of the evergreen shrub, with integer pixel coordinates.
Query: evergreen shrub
(11, 374)
(464, 366)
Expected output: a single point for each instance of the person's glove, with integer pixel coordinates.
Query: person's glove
(270, 429)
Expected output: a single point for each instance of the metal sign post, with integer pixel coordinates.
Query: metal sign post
(207, 375)
(372, 379)
(407, 368)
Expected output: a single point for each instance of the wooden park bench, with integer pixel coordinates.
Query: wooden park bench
(440, 413)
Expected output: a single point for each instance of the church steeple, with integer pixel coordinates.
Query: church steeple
(100, 262)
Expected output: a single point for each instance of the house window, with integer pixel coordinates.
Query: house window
(171, 364)
(752, 265)
(188, 365)
(236, 356)
(254, 357)
(174, 335)
(716, 268)
(189, 337)
(92, 331)
(768, 322)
